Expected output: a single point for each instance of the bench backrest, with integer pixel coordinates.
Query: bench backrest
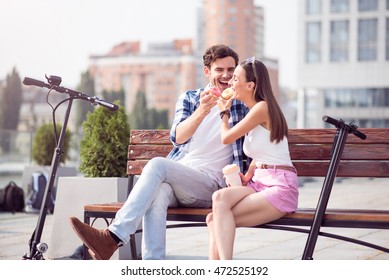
(310, 151)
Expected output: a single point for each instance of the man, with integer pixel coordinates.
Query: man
(187, 177)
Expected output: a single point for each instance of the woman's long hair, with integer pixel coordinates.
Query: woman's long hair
(263, 92)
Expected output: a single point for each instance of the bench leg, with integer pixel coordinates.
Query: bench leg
(85, 249)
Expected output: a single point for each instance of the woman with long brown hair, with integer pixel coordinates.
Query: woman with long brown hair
(269, 188)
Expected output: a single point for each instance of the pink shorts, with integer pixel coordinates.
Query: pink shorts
(280, 187)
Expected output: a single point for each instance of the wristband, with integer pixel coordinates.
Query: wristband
(226, 112)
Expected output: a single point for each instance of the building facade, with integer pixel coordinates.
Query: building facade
(343, 65)
(240, 25)
(232, 23)
(167, 69)
(162, 72)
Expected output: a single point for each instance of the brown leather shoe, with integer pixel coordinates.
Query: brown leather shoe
(99, 241)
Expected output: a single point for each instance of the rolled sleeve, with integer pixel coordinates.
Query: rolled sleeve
(186, 104)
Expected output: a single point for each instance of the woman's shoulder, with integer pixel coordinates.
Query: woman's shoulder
(260, 108)
(260, 105)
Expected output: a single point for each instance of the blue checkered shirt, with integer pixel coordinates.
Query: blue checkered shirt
(187, 103)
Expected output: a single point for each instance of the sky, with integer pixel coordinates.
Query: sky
(56, 37)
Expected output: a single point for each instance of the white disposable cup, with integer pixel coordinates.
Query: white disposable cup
(231, 175)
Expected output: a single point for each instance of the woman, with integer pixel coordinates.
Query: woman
(269, 188)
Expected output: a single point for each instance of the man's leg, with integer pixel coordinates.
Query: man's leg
(191, 193)
(154, 224)
(191, 187)
(103, 243)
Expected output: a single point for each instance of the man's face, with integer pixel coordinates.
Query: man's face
(221, 72)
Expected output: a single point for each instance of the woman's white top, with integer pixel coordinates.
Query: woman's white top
(257, 146)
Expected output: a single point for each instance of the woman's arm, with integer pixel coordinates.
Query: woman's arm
(258, 115)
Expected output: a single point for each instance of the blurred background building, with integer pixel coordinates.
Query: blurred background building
(343, 65)
(164, 70)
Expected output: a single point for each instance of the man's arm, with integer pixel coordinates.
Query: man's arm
(186, 128)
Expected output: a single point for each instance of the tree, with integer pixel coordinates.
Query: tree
(11, 101)
(10, 105)
(1, 106)
(112, 96)
(86, 86)
(45, 142)
(139, 113)
(103, 150)
(158, 118)
(144, 118)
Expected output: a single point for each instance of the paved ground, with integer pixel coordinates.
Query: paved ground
(191, 243)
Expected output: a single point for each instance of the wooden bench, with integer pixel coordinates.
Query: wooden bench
(310, 152)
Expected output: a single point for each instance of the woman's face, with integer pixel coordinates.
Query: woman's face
(243, 89)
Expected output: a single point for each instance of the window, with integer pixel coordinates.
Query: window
(364, 97)
(340, 6)
(313, 42)
(367, 5)
(313, 7)
(381, 98)
(360, 98)
(339, 40)
(367, 39)
(387, 38)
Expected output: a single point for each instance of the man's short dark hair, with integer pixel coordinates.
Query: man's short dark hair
(217, 52)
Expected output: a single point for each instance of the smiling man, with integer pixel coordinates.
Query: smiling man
(188, 176)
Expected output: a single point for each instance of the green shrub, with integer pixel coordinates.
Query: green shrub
(44, 144)
(103, 150)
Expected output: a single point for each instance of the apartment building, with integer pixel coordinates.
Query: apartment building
(162, 72)
(241, 25)
(343, 64)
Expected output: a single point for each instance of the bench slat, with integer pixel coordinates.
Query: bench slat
(148, 151)
(150, 136)
(297, 136)
(302, 214)
(374, 135)
(297, 152)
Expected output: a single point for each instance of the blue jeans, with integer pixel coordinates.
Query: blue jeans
(163, 183)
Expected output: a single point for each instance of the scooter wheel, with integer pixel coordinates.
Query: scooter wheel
(42, 247)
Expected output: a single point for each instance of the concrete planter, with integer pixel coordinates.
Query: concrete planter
(72, 194)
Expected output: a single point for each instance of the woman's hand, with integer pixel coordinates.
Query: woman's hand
(245, 178)
(224, 104)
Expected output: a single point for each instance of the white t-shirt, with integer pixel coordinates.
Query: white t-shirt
(257, 145)
(205, 151)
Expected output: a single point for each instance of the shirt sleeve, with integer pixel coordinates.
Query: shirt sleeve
(238, 112)
(185, 106)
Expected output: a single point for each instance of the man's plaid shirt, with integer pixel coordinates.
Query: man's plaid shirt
(187, 103)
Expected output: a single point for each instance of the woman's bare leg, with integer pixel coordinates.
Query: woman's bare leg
(212, 248)
(255, 210)
(224, 225)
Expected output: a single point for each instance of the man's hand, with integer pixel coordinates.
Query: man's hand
(207, 101)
